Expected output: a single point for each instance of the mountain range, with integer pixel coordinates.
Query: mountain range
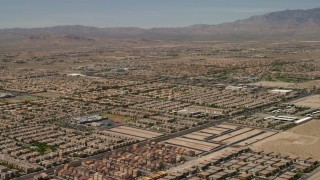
(288, 24)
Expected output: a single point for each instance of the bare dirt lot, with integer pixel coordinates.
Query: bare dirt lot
(278, 84)
(310, 84)
(190, 143)
(270, 84)
(135, 132)
(301, 141)
(311, 128)
(310, 101)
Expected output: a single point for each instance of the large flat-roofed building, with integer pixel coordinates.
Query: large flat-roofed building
(284, 118)
(280, 91)
(88, 119)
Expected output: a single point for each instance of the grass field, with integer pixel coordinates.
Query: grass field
(287, 79)
(116, 118)
(42, 148)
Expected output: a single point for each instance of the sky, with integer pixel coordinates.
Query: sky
(137, 13)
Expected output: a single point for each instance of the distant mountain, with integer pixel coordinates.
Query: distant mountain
(283, 24)
(289, 24)
(301, 24)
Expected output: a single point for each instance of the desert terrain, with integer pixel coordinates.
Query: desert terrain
(303, 140)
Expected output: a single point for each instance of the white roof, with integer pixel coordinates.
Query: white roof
(281, 90)
(75, 74)
(302, 120)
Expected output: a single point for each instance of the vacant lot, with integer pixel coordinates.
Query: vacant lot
(279, 84)
(190, 143)
(310, 101)
(256, 138)
(227, 126)
(242, 136)
(310, 84)
(198, 135)
(135, 132)
(301, 141)
(270, 84)
(311, 128)
(230, 135)
(214, 130)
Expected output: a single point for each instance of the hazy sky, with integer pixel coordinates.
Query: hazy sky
(137, 13)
